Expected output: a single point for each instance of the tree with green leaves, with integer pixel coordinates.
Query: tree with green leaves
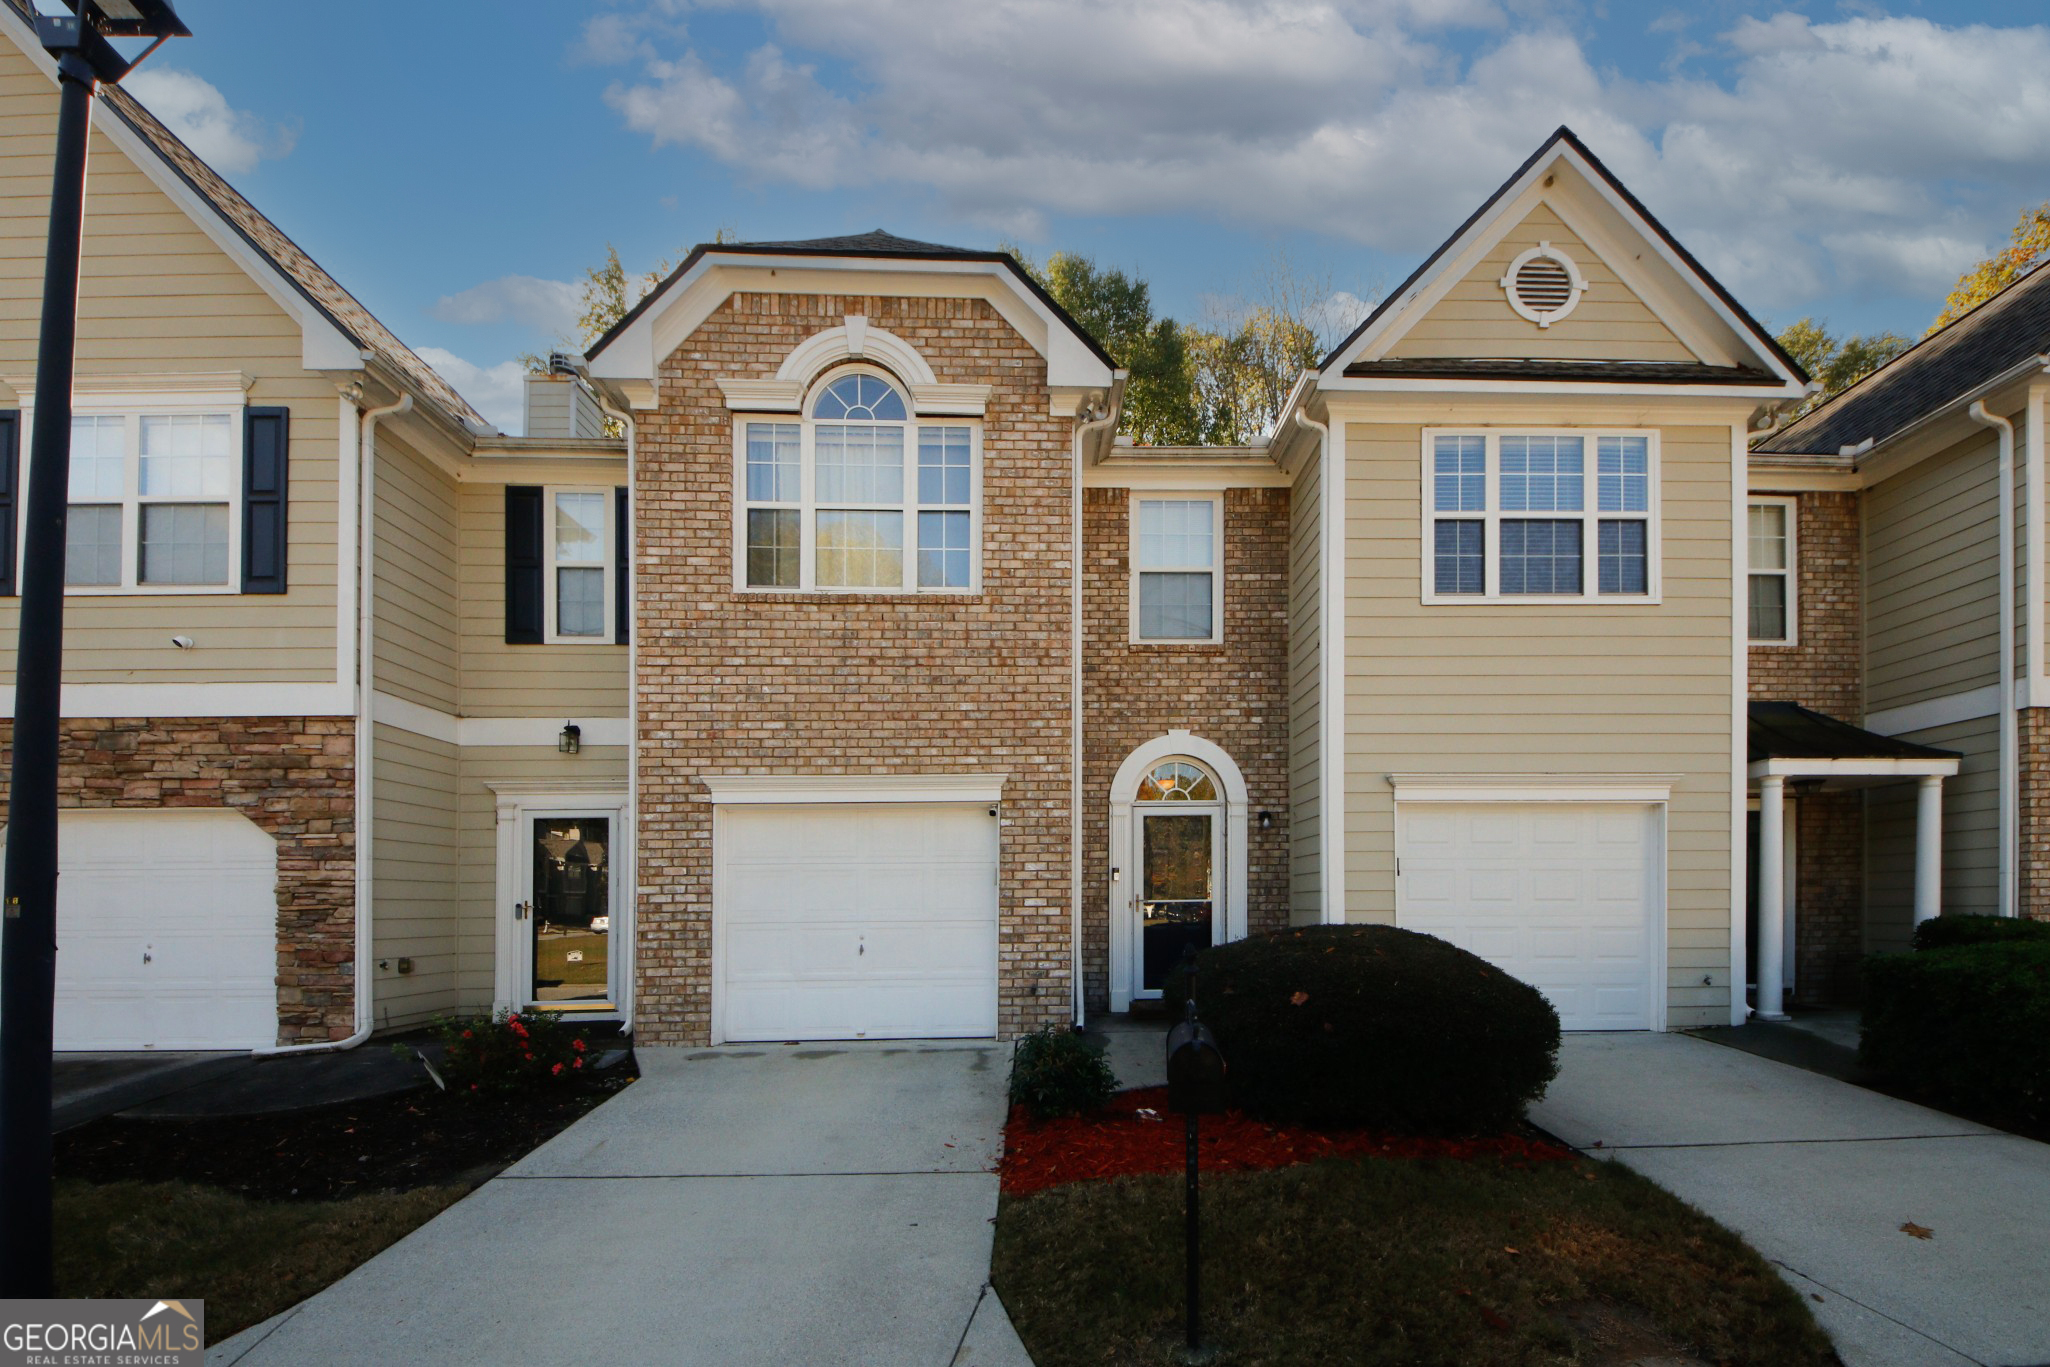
(1837, 363)
(2028, 247)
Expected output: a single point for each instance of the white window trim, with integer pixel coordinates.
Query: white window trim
(131, 409)
(1215, 498)
(608, 567)
(1791, 573)
(1589, 516)
(807, 507)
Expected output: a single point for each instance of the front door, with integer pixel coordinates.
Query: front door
(569, 913)
(1177, 891)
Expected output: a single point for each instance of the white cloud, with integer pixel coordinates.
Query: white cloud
(495, 391)
(1868, 153)
(227, 139)
(550, 306)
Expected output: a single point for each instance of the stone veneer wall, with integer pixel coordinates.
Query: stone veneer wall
(294, 777)
(792, 683)
(1824, 670)
(1234, 694)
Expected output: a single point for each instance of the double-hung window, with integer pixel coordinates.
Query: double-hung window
(1773, 612)
(154, 502)
(1178, 569)
(580, 579)
(1540, 516)
(859, 496)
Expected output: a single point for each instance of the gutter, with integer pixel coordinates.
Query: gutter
(366, 588)
(2010, 722)
(633, 711)
(1085, 428)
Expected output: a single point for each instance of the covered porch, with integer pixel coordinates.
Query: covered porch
(1794, 751)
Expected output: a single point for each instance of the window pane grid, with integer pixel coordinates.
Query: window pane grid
(185, 455)
(1175, 606)
(1768, 607)
(184, 543)
(942, 550)
(1460, 477)
(99, 458)
(1461, 560)
(92, 545)
(1623, 564)
(1176, 534)
(1542, 474)
(772, 547)
(1603, 508)
(774, 462)
(860, 549)
(1541, 557)
(1623, 474)
(943, 466)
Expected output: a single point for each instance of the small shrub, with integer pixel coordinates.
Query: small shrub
(1966, 1027)
(1371, 1025)
(1944, 932)
(511, 1051)
(1057, 1071)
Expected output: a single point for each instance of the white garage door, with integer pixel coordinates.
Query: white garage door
(856, 921)
(166, 931)
(1561, 894)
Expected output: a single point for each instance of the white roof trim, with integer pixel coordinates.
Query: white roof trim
(762, 789)
(1412, 384)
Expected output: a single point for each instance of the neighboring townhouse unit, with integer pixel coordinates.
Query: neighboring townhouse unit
(1885, 542)
(821, 665)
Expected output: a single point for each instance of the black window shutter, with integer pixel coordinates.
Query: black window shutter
(524, 602)
(266, 442)
(622, 611)
(10, 480)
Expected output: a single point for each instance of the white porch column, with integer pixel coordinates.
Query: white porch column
(1772, 894)
(1928, 848)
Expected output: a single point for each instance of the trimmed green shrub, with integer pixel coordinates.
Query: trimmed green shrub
(1058, 1071)
(1966, 1027)
(1371, 1025)
(1944, 932)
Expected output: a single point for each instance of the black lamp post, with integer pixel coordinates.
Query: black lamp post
(28, 914)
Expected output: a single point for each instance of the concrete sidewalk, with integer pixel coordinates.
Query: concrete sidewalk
(1820, 1176)
(822, 1204)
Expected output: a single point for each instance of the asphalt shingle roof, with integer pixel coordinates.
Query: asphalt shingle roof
(1785, 730)
(1607, 372)
(1999, 335)
(305, 274)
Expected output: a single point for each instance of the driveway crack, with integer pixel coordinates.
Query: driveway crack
(1890, 1319)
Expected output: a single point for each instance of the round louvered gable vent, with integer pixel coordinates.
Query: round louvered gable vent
(1543, 284)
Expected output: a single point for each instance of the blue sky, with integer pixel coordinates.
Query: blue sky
(458, 165)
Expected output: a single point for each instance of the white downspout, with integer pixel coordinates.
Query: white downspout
(2010, 727)
(1331, 899)
(366, 588)
(1084, 429)
(633, 718)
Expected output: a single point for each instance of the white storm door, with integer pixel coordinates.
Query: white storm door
(1563, 895)
(869, 920)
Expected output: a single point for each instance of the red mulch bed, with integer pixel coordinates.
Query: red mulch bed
(1122, 1139)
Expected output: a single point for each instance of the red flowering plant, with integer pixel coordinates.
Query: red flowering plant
(512, 1051)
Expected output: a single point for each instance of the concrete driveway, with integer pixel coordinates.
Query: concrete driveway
(1820, 1176)
(817, 1204)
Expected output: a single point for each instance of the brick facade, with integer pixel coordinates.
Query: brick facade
(1234, 694)
(1824, 670)
(787, 683)
(294, 777)
(2034, 777)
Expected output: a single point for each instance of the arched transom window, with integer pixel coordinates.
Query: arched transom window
(1177, 780)
(860, 495)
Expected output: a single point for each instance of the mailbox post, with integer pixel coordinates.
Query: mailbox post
(1195, 1087)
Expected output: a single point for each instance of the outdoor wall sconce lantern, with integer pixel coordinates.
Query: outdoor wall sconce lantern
(1266, 821)
(572, 738)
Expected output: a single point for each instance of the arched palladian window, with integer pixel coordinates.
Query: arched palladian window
(1177, 780)
(859, 494)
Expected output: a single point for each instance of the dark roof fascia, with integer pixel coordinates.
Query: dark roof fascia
(1599, 371)
(1570, 138)
(798, 249)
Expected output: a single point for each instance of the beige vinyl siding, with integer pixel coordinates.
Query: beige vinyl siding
(1474, 318)
(416, 876)
(418, 657)
(1305, 685)
(1932, 578)
(157, 296)
(1971, 837)
(558, 408)
(501, 680)
(476, 844)
(1570, 689)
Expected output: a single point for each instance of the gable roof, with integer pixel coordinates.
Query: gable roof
(2008, 330)
(285, 256)
(1746, 325)
(874, 243)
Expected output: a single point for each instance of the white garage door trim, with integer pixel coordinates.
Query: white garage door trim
(1651, 792)
(967, 793)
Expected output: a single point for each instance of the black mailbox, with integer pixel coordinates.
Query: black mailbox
(1195, 1068)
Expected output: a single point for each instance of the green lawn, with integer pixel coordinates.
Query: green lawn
(246, 1259)
(1382, 1261)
